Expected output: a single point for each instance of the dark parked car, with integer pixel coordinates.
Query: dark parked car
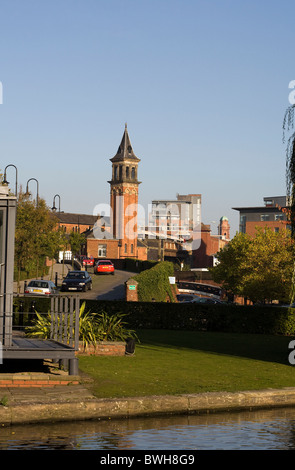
(77, 280)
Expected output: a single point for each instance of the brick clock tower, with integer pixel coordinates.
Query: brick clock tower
(124, 198)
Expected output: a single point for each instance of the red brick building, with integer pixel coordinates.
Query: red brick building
(272, 214)
(204, 256)
(115, 236)
(117, 239)
(80, 223)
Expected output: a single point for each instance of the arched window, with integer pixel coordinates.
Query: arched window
(133, 173)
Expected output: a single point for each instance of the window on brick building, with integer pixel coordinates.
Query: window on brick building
(243, 220)
(102, 251)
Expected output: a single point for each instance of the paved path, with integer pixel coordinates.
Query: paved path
(105, 287)
(76, 402)
(108, 287)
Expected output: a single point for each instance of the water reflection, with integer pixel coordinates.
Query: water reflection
(256, 430)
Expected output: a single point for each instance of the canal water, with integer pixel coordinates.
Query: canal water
(252, 430)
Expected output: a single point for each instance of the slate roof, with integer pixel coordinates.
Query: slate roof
(77, 219)
(125, 150)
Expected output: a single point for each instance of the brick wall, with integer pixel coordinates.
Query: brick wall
(251, 227)
(107, 348)
(112, 247)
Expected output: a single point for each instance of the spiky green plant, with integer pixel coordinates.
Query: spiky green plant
(40, 327)
(93, 327)
(87, 327)
(113, 328)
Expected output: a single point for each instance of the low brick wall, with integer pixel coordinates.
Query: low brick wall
(106, 348)
(32, 382)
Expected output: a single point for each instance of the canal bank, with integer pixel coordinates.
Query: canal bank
(30, 399)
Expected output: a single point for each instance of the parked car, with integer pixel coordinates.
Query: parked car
(40, 287)
(104, 267)
(186, 297)
(77, 280)
(201, 300)
(88, 261)
(208, 300)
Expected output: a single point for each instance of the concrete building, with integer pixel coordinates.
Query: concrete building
(272, 214)
(175, 219)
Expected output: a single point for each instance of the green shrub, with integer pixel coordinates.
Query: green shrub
(137, 265)
(202, 317)
(93, 327)
(153, 284)
(192, 317)
(112, 327)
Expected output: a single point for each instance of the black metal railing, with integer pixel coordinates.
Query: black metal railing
(61, 319)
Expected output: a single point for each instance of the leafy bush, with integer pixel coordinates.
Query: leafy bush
(93, 327)
(191, 316)
(202, 317)
(112, 328)
(153, 284)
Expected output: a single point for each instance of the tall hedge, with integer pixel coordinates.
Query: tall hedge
(154, 285)
(186, 316)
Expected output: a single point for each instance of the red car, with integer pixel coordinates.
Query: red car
(88, 261)
(104, 266)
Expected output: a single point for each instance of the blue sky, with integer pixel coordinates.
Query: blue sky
(202, 85)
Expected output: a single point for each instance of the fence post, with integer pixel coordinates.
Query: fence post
(131, 290)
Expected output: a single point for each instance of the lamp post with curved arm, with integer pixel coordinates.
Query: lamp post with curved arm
(27, 189)
(54, 208)
(5, 180)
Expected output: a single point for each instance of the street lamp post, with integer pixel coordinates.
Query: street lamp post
(54, 208)
(27, 189)
(7, 182)
(7, 235)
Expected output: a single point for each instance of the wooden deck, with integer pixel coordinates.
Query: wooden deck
(64, 337)
(32, 348)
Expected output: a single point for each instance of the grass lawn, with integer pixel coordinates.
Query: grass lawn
(180, 362)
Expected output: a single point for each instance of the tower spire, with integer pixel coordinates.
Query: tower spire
(125, 150)
(124, 194)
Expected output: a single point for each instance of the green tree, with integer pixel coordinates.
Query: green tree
(76, 240)
(34, 239)
(259, 268)
(230, 270)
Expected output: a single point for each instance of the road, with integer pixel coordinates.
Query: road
(104, 286)
(107, 286)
